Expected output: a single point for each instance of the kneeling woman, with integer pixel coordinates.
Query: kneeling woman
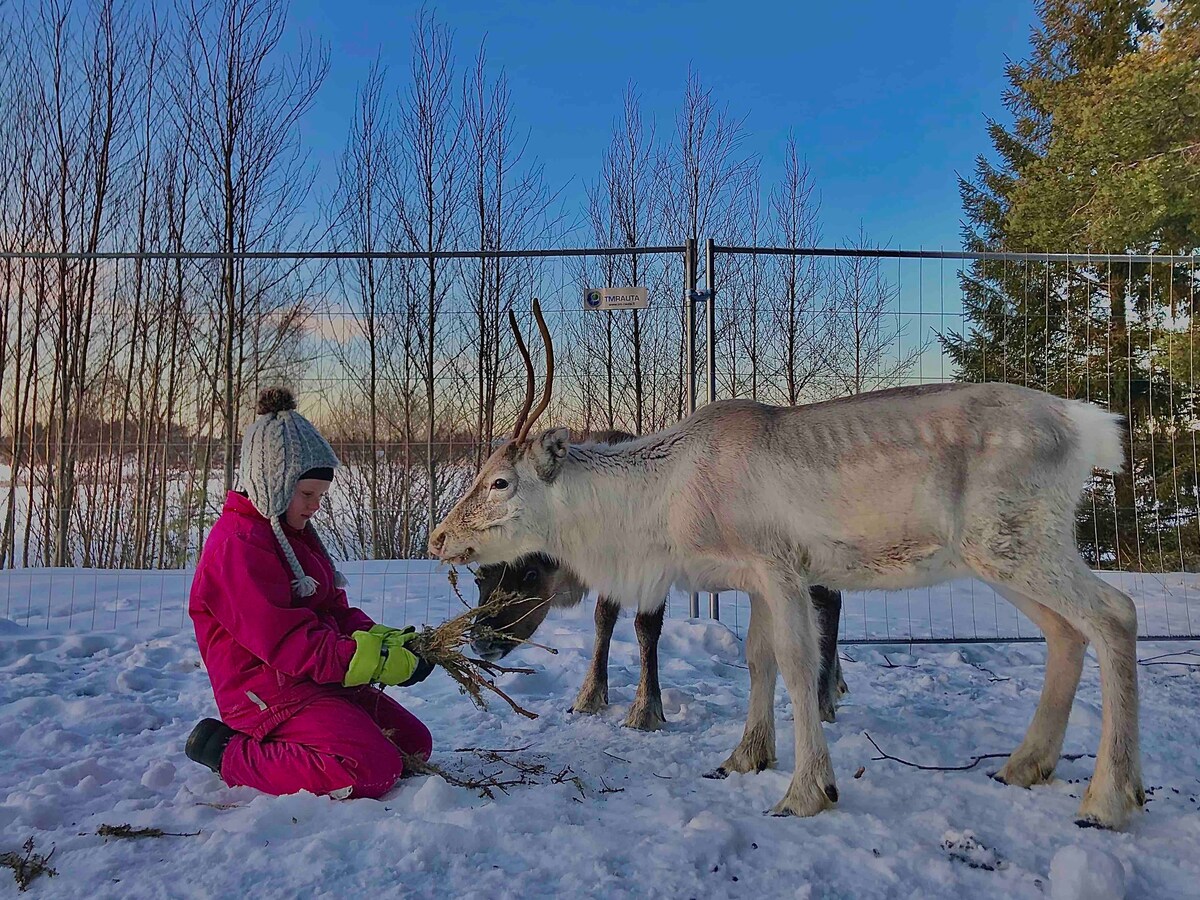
(289, 660)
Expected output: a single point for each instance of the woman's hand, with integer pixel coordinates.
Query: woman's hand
(383, 657)
(402, 667)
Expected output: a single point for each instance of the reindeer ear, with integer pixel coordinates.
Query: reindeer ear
(548, 451)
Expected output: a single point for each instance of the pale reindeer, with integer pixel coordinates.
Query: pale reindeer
(893, 489)
(533, 585)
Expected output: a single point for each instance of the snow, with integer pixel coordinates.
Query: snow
(100, 682)
(1080, 873)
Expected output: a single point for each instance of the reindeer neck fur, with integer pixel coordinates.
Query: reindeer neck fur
(610, 502)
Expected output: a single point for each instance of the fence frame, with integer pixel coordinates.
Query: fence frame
(690, 296)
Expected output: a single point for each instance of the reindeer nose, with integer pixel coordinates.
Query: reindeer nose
(437, 542)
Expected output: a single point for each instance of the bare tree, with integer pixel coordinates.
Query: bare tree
(625, 211)
(703, 170)
(505, 209)
(797, 330)
(175, 189)
(704, 176)
(20, 321)
(82, 107)
(243, 100)
(429, 199)
(363, 222)
(742, 289)
(866, 351)
(128, 528)
(122, 386)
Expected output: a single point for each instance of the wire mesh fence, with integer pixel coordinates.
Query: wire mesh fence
(1117, 330)
(416, 591)
(126, 379)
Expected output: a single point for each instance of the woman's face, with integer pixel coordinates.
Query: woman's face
(306, 501)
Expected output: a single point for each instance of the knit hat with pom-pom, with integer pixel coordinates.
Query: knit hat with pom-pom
(279, 449)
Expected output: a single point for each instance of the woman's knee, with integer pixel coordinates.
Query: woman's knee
(377, 771)
(421, 740)
(405, 730)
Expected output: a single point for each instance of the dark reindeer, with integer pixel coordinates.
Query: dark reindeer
(535, 584)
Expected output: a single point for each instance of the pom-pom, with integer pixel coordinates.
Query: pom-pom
(276, 399)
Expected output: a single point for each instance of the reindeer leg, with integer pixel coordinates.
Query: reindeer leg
(1052, 571)
(828, 605)
(756, 751)
(797, 650)
(646, 713)
(1034, 761)
(1116, 790)
(593, 694)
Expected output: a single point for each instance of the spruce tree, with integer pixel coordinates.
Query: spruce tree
(1102, 154)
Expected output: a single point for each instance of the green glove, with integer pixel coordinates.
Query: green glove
(423, 666)
(398, 662)
(384, 630)
(366, 660)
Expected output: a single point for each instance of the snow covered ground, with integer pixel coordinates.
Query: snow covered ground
(100, 682)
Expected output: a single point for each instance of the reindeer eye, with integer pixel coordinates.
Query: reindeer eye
(530, 574)
(499, 484)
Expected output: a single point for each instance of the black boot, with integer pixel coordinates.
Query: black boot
(206, 744)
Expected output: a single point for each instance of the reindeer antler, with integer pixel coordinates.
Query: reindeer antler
(512, 320)
(545, 401)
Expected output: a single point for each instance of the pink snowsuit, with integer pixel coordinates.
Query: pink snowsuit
(276, 662)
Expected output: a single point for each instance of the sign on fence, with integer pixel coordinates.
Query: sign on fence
(616, 298)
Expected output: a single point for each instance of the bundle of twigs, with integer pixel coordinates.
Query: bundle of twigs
(442, 645)
(28, 865)
(484, 782)
(502, 770)
(128, 831)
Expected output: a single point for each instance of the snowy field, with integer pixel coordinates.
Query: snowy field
(100, 682)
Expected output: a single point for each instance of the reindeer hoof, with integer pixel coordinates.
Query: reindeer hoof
(1109, 807)
(782, 809)
(812, 789)
(645, 718)
(804, 809)
(717, 774)
(999, 777)
(588, 706)
(1026, 769)
(755, 753)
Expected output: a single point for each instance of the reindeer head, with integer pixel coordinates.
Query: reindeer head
(530, 587)
(502, 516)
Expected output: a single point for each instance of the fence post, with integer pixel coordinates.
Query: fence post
(689, 301)
(710, 334)
(431, 399)
(689, 295)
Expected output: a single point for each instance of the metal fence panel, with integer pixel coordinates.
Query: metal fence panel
(115, 444)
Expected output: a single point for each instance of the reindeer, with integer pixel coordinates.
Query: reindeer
(898, 488)
(534, 584)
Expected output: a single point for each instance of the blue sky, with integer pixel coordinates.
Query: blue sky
(887, 99)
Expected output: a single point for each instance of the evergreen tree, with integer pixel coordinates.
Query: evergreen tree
(1103, 153)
